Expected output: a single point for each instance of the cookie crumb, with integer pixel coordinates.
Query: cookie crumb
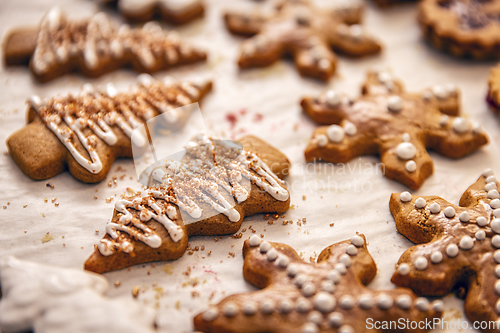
(304, 197)
(135, 292)
(47, 238)
(117, 284)
(25, 206)
(332, 224)
(49, 185)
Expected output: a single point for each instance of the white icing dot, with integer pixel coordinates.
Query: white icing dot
(427, 95)
(496, 213)
(405, 137)
(497, 271)
(496, 256)
(440, 92)
(404, 301)
(495, 241)
(349, 128)
(491, 179)
(405, 196)
(255, 241)
(249, 309)
(422, 304)
(395, 104)
(332, 98)
(452, 250)
(438, 305)
(285, 306)
(421, 263)
(476, 128)
(495, 225)
(480, 235)
(436, 257)
(449, 212)
(292, 269)
(308, 289)
(340, 267)
(481, 221)
(333, 276)
(210, 315)
(435, 208)
(336, 319)
(300, 279)
(303, 305)
(420, 203)
(444, 120)
(357, 241)
(324, 302)
(309, 328)
(384, 301)
(335, 133)
(497, 287)
(321, 140)
(404, 269)
(346, 302)
(264, 247)
(351, 250)
(365, 302)
(487, 173)
(230, 309)
(411, 166)
(272, 254)
(490, 186)
(461, 125)
(267, 307)
(315, 317)
(466, 243)
(464, 217)
(346, 260)
(328, 286)
(346, 329)
(283, 261)
(384, 76)
(406, 150)
(493, 194)
(497, 307)
(495, 203)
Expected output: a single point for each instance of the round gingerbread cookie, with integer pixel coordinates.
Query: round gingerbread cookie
(493, 97)
(463, 28)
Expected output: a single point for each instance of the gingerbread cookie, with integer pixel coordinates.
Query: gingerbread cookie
(43, 298)
(208, 192)
(458, 246)
(493, 97)
(94, 47)
(327, 296)
(463, 28)
(86, 133)
(299, 29)
(173, 11)
(396, 125)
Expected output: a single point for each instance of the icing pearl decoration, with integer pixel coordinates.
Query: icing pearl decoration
(315, 317)
(438, 306)
(496, 256)
(267, 307)
(411, 166)
(495, 241)
(490, 186)
(464, 217)
(210, 315)
(255, 241)
(303, 305)
(495, 203)
(440, 92)
(346, 260)
(285, 306)
(476, 128)
(422, 304)
(230, 310)
(452, 250)
(336, 319)
(449, 212)
(497, 287)
(495, 225)
(480, 235)
(444, 121)
(481, 221)
(496, 213)
(395, 104)
(346, 302)
(346, 329)
(332, 98)
(249, 309)
(283, 262)
(405, 196)
(497, 307)
(264, 247)
(404, 269)
(334, 276)
(308, 289)
(351, 250)
(436, 257)
(321, 140)
(491, 179)
(466, 243)
(357, 241)
(420, 203)
(405, 137)
(404, 301)
(335, 133)
(340, 267)
(324, 302)
(328, 286)
(365, 302)
(300, 279)
(421, 263)
(487, 173)
(461, 125)
(349, 128)
(310, 328)
(292, 270)
(497, 271)
(384, 301)
(406, 150)
(272, 254)
(384, 77)
(493, 194)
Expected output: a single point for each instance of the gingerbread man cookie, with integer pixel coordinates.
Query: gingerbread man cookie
(299, 29)
(493, 97)
(299, 297)
(42, 299)
(458, 246)
(173, 11)
(463, 28)
(86, 133)
(209, 192)
(94, 47)
(398, 126)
